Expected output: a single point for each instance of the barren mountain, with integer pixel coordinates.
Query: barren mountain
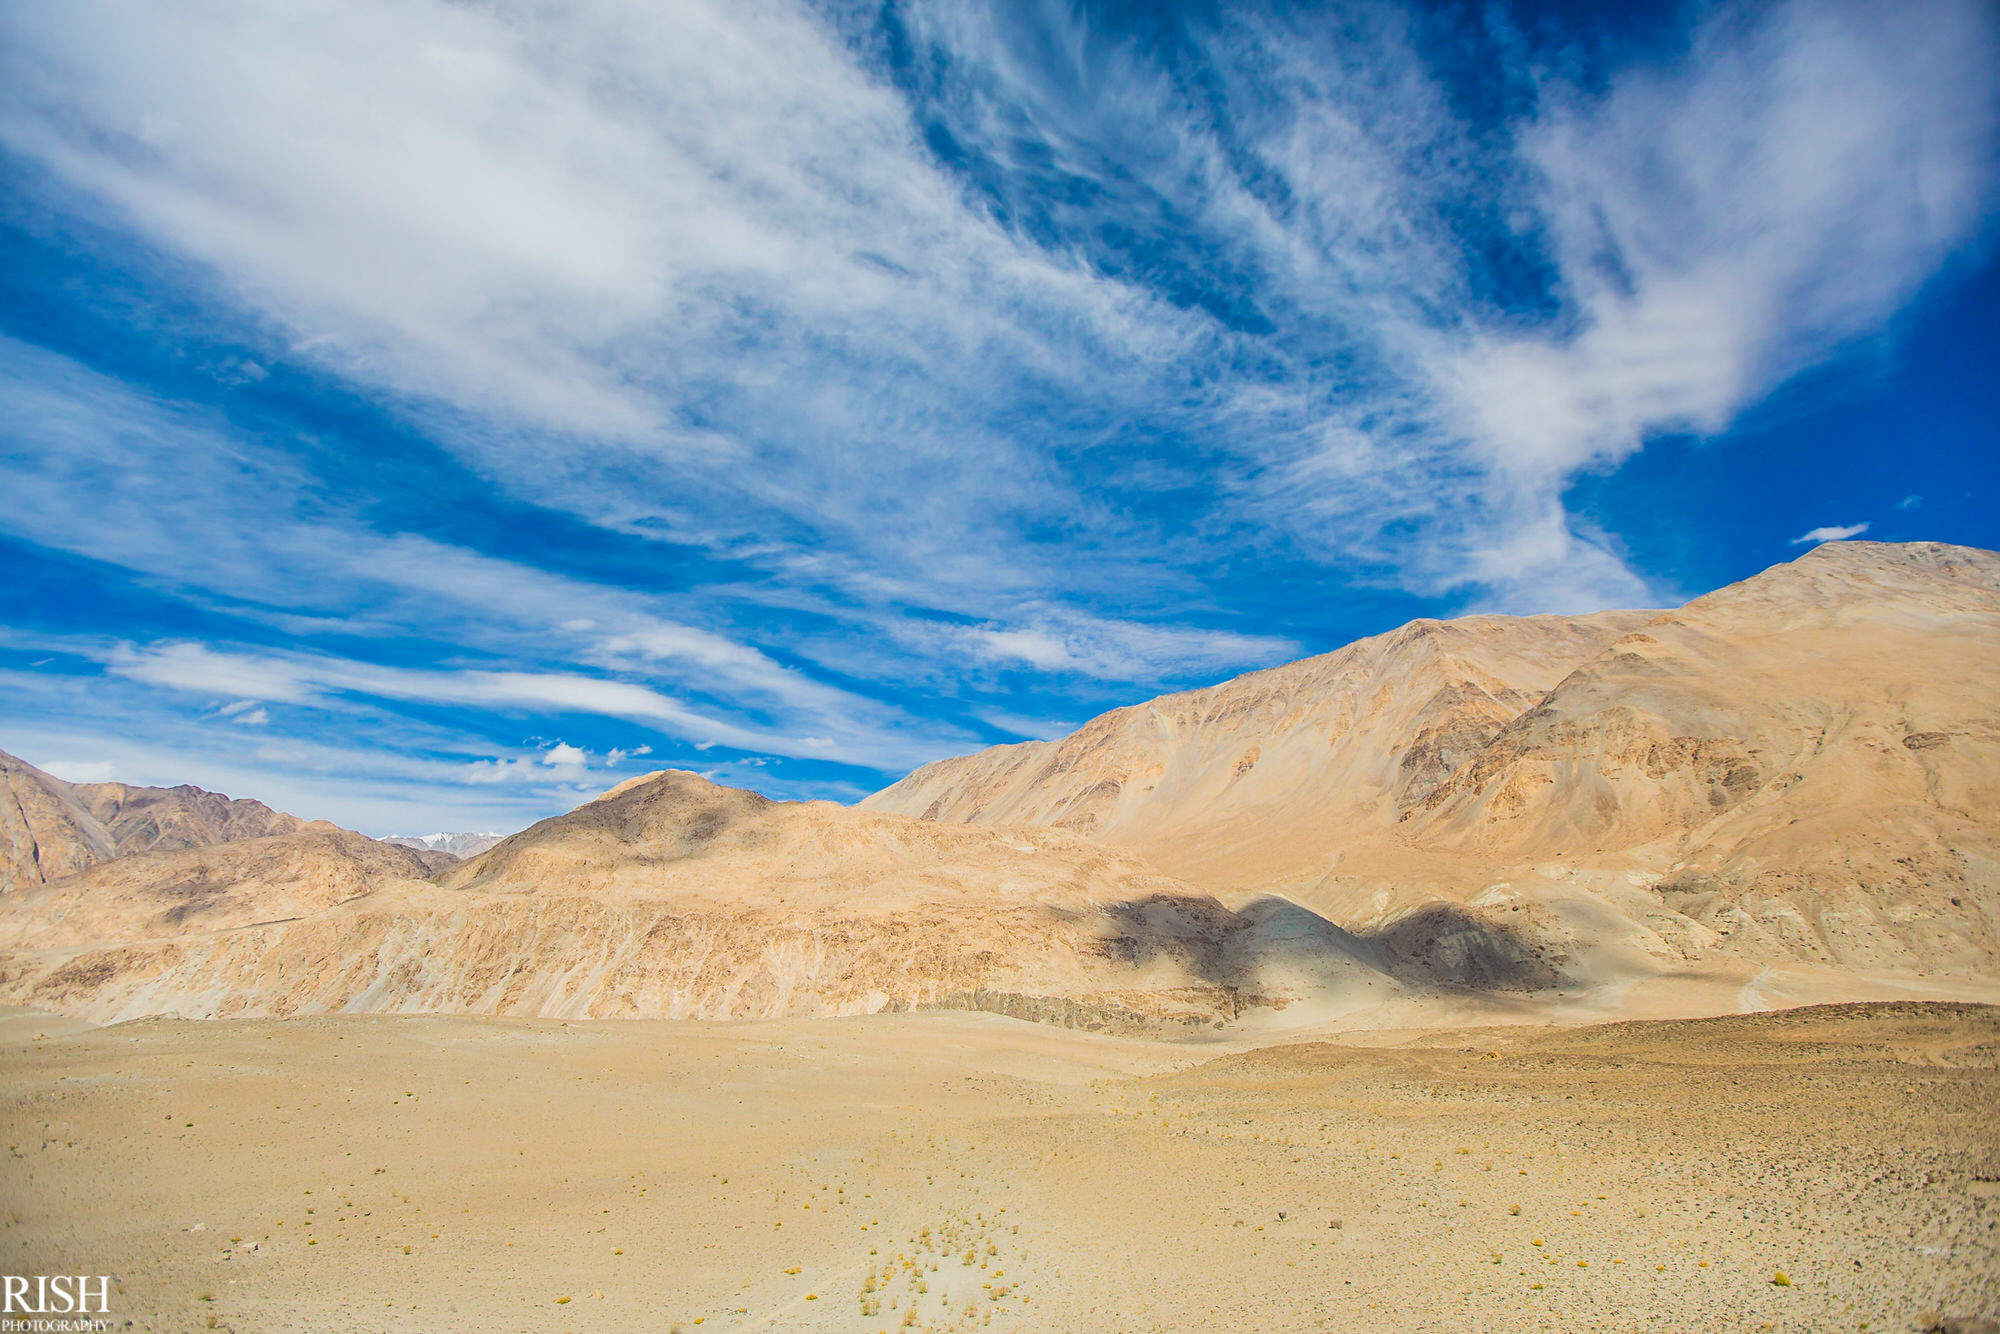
(1812, 756)
(1258, 783)
(50, 828)
(1800, 768)
(198, 891)
(1783, 791)
(670, 896)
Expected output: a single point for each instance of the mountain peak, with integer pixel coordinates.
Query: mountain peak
(683, 779)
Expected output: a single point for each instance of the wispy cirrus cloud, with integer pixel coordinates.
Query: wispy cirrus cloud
(1725, 221)
(699, 246)
(307, 679)
(1054, 639)
(368, 771)
(178, 494)
(627, 225)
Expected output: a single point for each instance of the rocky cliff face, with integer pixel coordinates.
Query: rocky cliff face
(50, 829)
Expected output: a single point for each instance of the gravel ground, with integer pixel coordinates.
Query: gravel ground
(1832, 1168)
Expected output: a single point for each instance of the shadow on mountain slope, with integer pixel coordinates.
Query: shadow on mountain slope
(1450, 945)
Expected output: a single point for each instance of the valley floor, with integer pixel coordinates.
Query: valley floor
(959, 1172)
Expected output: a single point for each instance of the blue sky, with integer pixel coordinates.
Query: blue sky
(425, 415)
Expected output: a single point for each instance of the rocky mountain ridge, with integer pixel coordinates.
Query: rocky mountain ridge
(669, 896)
(50, 828)
(1785, 790)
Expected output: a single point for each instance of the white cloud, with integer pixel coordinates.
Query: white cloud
(1062, 640)
(101, 471)
(311, 679)
(565, 756)
(1831, 534)
(1712, 223)
(1033, 729)
(1726, 221)
(80, 771)
(193, 667)
(601, 221)
(475, 194)
(160, 488)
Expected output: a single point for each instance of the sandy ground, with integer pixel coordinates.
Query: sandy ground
(956, 1171)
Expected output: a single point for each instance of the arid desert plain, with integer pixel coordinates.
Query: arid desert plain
(1814, 1169)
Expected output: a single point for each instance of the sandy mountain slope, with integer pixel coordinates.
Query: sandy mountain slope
(1257, 783)
(673, 897)
(1803, 767)
(193, 891)
(50, 828)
